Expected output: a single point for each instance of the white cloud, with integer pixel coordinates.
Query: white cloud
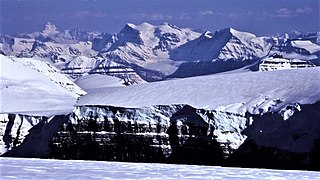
(205, 13)
(284, 12)
(305, 10)
(145, 16)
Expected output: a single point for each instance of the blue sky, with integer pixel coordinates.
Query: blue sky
(262, 17)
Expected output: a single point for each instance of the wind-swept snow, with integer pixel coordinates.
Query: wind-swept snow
(51, 72)
(26, 91)
(96, 81)
(255, 92)
(24, 168)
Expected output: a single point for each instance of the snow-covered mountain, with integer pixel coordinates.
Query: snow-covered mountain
(34, 89)
(146, 48)
(51, 33)
(155, 52)
(97, 65)
(224, 44)
(225, 50)
(52, 51)
(297, 45)
(145, 44)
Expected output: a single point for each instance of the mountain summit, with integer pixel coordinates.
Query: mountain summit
(50, 29)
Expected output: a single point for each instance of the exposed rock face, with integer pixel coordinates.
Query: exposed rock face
(175, 134)
(32, 136)
(14, 128)
(275, 143)
(183, 134)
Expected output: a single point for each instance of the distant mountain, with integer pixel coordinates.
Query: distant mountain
(148, 47)
(224, 44)
(97, 65)
(303, 46)
(224, 50)
(51, 33)
(154, 52)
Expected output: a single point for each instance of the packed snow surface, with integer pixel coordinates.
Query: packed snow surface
(14, 168)
(95, 81)
(27, 91)
(255, 92)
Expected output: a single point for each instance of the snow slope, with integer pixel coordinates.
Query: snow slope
(96, 81)
(26, 91)
(51, 72)
(254, 92)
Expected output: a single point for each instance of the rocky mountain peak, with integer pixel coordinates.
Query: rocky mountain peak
(50, 29)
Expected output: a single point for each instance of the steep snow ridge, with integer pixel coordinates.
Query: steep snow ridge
(145, 32)
(243, 46)
(26, 91)
(254, 92)
(225, 44)
(51, 72)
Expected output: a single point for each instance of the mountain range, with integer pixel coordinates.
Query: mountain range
(146, 52)
(58, 98)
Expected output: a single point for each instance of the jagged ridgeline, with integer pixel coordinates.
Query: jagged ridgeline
(146, 52)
